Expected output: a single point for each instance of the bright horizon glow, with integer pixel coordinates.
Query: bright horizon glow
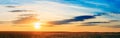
(37, 25)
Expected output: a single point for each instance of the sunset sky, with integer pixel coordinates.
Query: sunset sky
(67, 15)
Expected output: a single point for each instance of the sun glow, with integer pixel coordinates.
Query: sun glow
(37, 25)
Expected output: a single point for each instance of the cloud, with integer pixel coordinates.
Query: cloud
(61, 11)
(83, 18)
(109, 15)
(94, 23)
(28, 18)
(115, 21)
(11, 6)
(21, 11)
(77, 18)
(96, 3)
(28, 15)
(115, 26)
(110, 23)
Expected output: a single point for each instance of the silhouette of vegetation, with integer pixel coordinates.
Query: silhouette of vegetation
(59, 34)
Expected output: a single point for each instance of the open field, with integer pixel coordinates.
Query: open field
(32, 34)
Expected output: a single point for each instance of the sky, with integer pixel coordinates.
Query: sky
(65, 15)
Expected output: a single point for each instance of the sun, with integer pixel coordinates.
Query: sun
(37, 25)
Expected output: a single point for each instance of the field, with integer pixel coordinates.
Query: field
(31, 34)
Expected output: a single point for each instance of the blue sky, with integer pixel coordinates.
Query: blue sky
(103, 13)
(15, 2)
(105, 5)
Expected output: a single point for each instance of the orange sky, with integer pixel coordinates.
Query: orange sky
(69, 28)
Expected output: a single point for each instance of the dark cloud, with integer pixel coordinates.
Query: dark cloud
(77, 18)
(28, 15)
(115, 26)
(11, 6)
(83, 24)
(20, 11)
(83, 18)
(1, 22)
(95, 23)
(100, 13)
(115, 21)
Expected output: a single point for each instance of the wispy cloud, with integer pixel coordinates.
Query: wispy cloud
(26, 19)
(115, 26)
(11, 6)
(21, 11)
(75, 19)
